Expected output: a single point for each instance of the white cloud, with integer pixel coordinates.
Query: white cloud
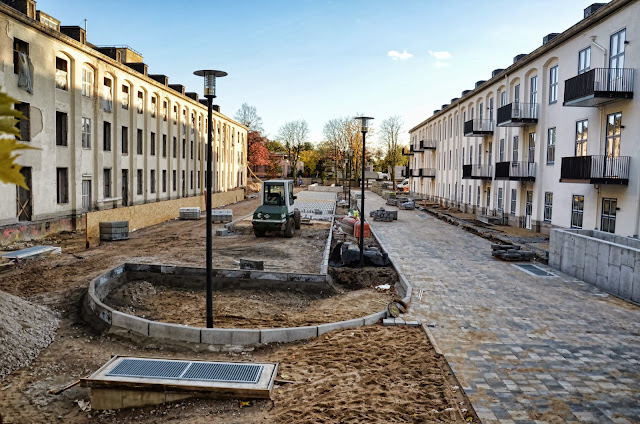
(440, 55)
(396, 55)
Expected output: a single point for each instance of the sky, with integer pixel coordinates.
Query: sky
(320, 60)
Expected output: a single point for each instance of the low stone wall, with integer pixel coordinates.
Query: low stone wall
(104, 316)
(608, 261)
(145, 215)
(325, 189)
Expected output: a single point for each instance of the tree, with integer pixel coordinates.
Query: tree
(342, 134)
(274, 146)
(389, 137)
(9, 170)
(293, 135)
(248, 116)
(257, 152)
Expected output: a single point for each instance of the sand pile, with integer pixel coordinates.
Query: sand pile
(253, 187)
(25, 329)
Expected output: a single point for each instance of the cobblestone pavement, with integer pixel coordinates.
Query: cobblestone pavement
(526, 349)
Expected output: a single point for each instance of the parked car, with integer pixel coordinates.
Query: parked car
(404, 185)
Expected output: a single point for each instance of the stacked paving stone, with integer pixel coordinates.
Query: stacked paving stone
(114, 230)
(384, 215)
(510, 252)
(222, 215)
(190, 213)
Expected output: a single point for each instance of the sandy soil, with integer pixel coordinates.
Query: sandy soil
(375, 374)
(244, 308)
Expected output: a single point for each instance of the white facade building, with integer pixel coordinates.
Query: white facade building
(109, 134)
(551, 141)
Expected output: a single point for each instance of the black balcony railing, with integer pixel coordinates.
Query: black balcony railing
(409, 153)
(518, 114)
(428, 144)
(596, 169)
(478, 127)
(415, 172)
(427, 172)
(597, 86)
(477, 172)
(516, 171)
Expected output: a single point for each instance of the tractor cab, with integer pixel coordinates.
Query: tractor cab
(276, 211)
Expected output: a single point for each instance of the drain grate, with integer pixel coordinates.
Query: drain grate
(185, 370)
(534, 270)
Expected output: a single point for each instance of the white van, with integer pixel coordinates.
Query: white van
(404, 185)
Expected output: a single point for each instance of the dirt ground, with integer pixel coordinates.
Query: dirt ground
(374, 374)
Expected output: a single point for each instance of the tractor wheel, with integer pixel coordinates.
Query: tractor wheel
(288, 231)
(258, 233)
(297, 217)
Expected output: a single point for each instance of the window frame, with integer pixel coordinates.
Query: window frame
(548, 206)
(609, 217)
(551, 145)
(62, 131)
(106, 136)
(86, 133)
(62, 186)
(513, 200)
(587, 58)
(88, 81)
(553, 84)
(581, 142)
(577, 211)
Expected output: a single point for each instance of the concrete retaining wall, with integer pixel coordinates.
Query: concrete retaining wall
(608, 261)
(325, 189)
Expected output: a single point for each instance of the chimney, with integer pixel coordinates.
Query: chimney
(590, 10)
(496, 72)
(519, 57)
(549, 37)
(75, 32)
(479, 83)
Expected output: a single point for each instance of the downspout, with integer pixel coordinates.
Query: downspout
(603, 132)
(604, 51)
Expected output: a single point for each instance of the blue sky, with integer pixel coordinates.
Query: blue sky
(319, 60)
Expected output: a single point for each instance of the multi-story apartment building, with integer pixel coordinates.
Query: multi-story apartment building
(108, 133)
(550, 141)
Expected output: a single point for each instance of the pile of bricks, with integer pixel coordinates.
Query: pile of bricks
(509, 252)
(222, 215)
(190, 213)
(114, 230)
(384, 215)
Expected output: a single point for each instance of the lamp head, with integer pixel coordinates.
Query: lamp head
(210, 81)
(364, 122)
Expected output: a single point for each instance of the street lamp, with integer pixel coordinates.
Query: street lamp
(350, 155)
(364, 127)
(210, 94)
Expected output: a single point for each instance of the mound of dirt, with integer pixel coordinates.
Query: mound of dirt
(25, 329)
(253, 187)
(359, 278)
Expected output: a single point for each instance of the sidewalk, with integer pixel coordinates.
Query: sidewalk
(526, 349)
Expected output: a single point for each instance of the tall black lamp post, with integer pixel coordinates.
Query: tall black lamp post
(210, 93)
(350, 155)
(364, 127)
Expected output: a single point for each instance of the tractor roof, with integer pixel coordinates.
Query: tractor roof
(277, 181)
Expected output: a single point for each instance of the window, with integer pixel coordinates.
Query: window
(140, 104)
(174, 183)
(584, 60)
(24, 124)
(139, 181)
(175, 114)
(582, 135)
(491, 110)
(514, 155)
(106, 136)
(125, 140)
(500, 199)
(532, 147)
(548, 205)
(616, 60)
(469, 193)
(501, 151)
(107, 101)
(490, 161)
(516, 93)
(86, 133)
(165, 110)
(20, 48)
(533, 96)
(62, 74)
(614, 127)
(164, 145)
(480, 154)
(577, 209)
(175, 147)
(514, 199)
(139, 148)
(152, 149)
(125, 96)
(154, 106)
(198, 179)
(488, 199)
(462, 193)
(184, 182)
(62, 123)
(608, 218)
(551, 145)
(191, 180)
(480, 112)
(478, 197)
(184, 148)
(62, 185)
(153, 181)
(86, 195)
(164, 180)
(191, 149)
(553, 84)
(503, 98)
(107, 183)
(470, 155)
(87, 82)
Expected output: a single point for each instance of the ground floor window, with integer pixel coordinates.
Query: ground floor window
(577, 210)
(500, 200)
(478, 197)
(86, 195)
(548, 204)
(107, 183)
(62, 185)
(608, 219)
(514, 195)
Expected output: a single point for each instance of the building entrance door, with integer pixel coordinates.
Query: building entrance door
(528, 210)
(24, 201)
(125, 187)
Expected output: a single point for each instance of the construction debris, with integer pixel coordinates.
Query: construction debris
(221, 215)
(347, 254)
(190, 213)
(510, 252)
(384, 215)
(114, 230)
(251, 264)
(32, 252)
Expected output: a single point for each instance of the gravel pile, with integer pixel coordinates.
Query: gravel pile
(25, 329)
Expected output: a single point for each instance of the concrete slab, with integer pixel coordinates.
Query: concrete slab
(32, 252)
(130, 322)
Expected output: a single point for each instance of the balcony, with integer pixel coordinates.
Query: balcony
(516, 171)
(415, 172)
(478, 128)
(405, 172)
(598, 86)
(428, 144)
(427, 173)
(518, 115)
(477, 172)
(595, 170)
(409, 153)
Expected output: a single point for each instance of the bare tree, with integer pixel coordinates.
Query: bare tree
(248, 116)
(293, 136)
(389, 138)
(343, 134)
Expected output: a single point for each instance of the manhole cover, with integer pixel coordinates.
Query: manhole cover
(534, 270)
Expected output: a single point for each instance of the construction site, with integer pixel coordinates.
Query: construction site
(300, 310)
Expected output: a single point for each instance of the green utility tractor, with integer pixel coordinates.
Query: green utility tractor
(276, 212)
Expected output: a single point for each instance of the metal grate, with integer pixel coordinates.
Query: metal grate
(185, 370)
(534, 270)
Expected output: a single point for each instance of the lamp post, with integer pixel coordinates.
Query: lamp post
(350, 155)
(210, 93)
(364, 127)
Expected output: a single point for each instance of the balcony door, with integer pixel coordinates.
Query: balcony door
(528, 210)
(532, 148)
(533, 97)
(611, 163)
(516, 102)
(616, 60)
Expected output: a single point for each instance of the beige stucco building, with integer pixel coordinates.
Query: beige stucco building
(550, 141)
(109, 133)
